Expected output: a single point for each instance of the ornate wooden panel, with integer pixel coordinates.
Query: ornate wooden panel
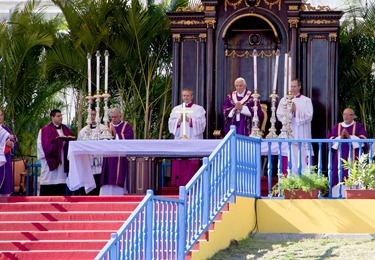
(215, 45)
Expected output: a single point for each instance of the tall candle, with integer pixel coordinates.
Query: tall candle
(276, 70)
(106, 71)
(286, 75)
(89, 72)
(290, 72)
(97, 71)
(255, 69)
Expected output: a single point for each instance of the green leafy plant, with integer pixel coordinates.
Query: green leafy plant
(361, 173)
(308, 180)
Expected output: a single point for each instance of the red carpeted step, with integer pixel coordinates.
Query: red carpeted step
(52, 245)
(124, 198)
(56, 235)
(264, 185)
(169, 190)
(64, 216)
(68, 206)
(71, 254)
(60, 225)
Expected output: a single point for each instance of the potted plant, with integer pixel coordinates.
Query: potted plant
(360, 183)
(304, 186)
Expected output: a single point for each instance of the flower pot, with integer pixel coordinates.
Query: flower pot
(300, 194)
(360, 194)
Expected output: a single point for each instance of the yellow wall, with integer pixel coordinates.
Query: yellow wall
(235, 224)
(316, 216)
(289, 216)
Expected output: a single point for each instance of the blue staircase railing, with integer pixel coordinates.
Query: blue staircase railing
(168, 228)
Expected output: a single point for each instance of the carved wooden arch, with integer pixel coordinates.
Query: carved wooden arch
(255, 15)
(277, 25)
(224, 79)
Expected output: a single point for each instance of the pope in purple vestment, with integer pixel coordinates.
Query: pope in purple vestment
(349, 129)
(115, 169)
(238, 109)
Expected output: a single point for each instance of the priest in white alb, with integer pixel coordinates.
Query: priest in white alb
(187, 121)
(301, 114)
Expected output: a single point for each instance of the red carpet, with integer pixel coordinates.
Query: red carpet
(60, 227)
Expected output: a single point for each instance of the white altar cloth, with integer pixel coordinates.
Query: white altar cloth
(275, 150)
(80, 152)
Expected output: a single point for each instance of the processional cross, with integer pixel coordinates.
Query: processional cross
(184, 111)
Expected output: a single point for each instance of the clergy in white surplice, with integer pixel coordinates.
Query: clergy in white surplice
(187, 121)
(301, 114)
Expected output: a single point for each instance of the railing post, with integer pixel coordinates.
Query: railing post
(299, 165)
(206, 192)
(270, 169)
(148, 226)
(233, 160)
(36, 167)
(330, 169)
(258, 159)
(290, 166)
(114, 252)
(280, 168)
(29, 174)
(181, 222)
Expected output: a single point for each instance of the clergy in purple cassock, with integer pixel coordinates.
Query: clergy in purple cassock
(195, 123)
(238, 109)
(301, 114)
(349, 129)
(53, 141)
(115, 170)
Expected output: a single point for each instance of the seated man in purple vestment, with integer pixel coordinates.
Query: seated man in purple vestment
(238, 109)
(194, 124)
(114, 177)
(6, 172)
(349, 129)
(53, 140)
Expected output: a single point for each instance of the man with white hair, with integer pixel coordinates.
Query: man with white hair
(238, 109)
(115, 170)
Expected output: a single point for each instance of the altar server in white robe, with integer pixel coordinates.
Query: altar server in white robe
(194, 124)
(4, 141)
(96, 161)
(195, 121)
(301, 114)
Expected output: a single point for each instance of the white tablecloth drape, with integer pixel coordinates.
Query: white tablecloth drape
(80, 152)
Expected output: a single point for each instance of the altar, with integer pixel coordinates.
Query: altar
(80, 152)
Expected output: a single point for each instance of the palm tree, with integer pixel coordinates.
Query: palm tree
(138, 39)
(87, 25)
(25, 94)
(356, 63)
(143, 49)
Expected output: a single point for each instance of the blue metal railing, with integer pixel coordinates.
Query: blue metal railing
(167, 228)
(32, 173)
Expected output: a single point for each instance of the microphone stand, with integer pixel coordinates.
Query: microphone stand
(13, 153)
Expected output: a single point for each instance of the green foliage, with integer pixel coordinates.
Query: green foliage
(362, 173)
(26, 96)
(137, 36)
(307, 181)
(356, 59)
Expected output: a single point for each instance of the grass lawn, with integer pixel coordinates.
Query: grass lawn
(295, 246)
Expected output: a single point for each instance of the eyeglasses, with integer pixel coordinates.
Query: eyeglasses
(348, 114)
